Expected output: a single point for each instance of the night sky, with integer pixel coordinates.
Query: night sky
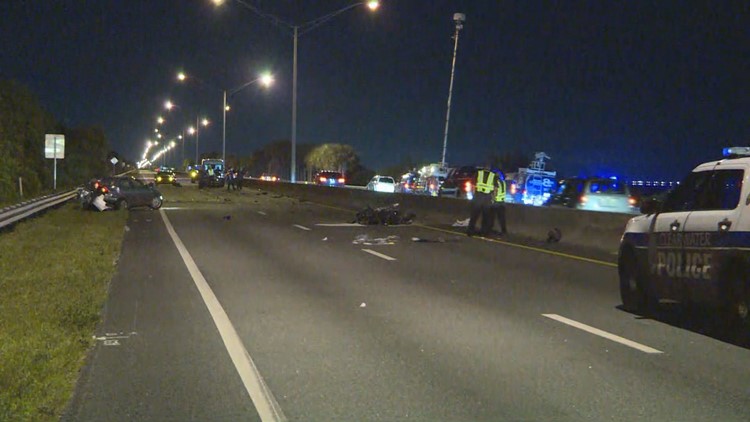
(644, 89)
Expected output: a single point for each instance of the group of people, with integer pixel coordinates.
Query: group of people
(489, 202)
(233, 178)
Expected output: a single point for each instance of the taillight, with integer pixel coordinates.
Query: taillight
(513, 189)
(341, 180)
(631, 201)
(584, 199)
(467, 186)
(104, 189)
(96, 185)
(323, 179)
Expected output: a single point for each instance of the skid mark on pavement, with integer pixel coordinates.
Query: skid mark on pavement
(603, 334)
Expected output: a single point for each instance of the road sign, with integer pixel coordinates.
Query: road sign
(113, 160)
(54, 146)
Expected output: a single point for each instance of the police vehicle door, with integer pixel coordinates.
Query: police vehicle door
(711, 230)
(665, 240)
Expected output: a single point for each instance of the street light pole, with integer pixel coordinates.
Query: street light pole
(224, 130)
(197, 135)
(294, 108)
(459, 18)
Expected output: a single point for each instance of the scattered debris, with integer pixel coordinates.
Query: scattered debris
(364, 239)
(461, 223)
(227, 217)
(363, 305)
(325, 239)
(389, 216)
(127, 229)
(554, 235)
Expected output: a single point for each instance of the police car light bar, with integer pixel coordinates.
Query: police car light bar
(736, 152)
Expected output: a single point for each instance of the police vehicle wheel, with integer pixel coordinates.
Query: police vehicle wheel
(738, 302)
(633, 290)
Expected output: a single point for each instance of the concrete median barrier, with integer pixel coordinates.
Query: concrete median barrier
(598, 230)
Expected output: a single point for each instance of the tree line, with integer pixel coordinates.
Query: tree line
(23, 124)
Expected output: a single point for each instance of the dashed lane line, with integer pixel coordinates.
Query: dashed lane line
(379, 255)
(602, 333)
(302, 227)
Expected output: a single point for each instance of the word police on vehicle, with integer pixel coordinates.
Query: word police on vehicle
(693, 246)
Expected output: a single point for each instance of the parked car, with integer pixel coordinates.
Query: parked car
(329, 178)
(460, 182)
(382, 184)
(129, 192)
(594, 194)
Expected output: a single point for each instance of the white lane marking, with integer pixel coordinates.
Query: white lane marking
(602, 333)
(173, 208)
(262, 213)
(340, 225)
(379, 255)
(302, 227)
(265, 403)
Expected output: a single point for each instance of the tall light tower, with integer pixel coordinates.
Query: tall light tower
(459, 18)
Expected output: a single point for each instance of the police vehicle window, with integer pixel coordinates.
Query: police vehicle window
(685, 196)
(722, 192)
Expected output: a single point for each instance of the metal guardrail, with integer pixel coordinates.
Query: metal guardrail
(17, 212)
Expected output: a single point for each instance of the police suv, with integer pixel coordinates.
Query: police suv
(693, 246)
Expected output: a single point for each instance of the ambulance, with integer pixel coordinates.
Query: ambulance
(693, 245)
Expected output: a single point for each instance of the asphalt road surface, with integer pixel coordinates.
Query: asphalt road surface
(262, 313)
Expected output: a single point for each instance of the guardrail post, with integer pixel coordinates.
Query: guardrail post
(20, 186)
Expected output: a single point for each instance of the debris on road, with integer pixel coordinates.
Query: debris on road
(363, 305)
(389, 216)
(325, 239)
(227, 217)
(364, 239)
(461, 223)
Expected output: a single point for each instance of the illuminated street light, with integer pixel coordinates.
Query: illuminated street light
(169, 105)
(191, 130)
(204, 122)
(160, 120)
(227, 108)
(266, 80)
(181, 76)
(298, 30)
(158, 135)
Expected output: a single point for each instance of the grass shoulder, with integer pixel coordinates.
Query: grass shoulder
(55, 271)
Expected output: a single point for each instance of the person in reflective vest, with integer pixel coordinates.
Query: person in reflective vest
(498, 205)
(482, 201)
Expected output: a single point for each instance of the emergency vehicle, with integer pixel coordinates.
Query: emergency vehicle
(693, 246)
(532, 185)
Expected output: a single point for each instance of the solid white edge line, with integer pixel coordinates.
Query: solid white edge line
(602, 333)
(302, 227)
(379, 255)
(265, 403)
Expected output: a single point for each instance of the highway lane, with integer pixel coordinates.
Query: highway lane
(444, 330)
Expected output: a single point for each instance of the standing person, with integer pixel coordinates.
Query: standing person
(498, 204)
(481, 202)
(240, 176)
(230, 179)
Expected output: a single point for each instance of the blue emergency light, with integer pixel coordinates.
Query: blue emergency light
(736, 152)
